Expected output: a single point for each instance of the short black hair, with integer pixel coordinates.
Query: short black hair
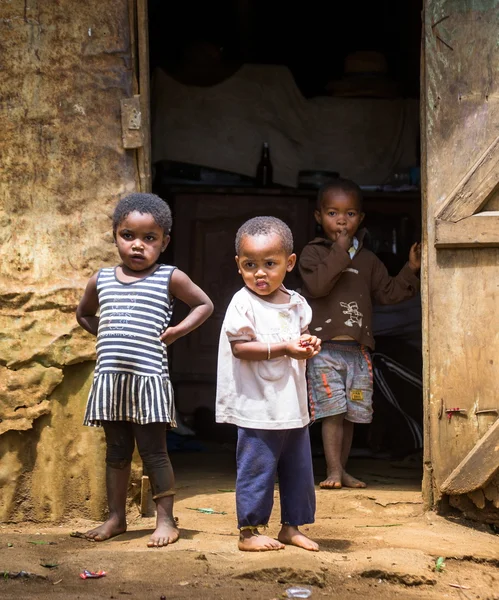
(266, 226)
(146, 204)
(347, 186)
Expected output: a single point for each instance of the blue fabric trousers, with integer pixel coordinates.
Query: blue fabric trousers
(261, 456)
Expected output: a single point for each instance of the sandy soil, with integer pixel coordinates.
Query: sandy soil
(375, 542)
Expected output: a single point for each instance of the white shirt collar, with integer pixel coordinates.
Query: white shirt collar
(354, 247)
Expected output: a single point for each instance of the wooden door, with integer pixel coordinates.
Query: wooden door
(135, 110)
(460, 131)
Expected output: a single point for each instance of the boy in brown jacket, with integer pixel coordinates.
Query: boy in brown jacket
(341, 278)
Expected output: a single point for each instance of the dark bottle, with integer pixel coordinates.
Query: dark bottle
(264, 171)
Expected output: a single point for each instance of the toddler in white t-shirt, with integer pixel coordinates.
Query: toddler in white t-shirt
(261, 388)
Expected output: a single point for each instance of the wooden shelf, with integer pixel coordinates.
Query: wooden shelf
(282, 191)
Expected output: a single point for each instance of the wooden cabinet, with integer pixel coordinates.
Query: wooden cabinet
(205, 226)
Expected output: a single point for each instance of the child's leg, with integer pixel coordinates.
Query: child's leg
(340, 385)
(334, 441)
(337, 436)
(151, 442)
(359, 390)
(327, 381)
(296, 488)
(119, 451)
(346, 479)
(257, 455)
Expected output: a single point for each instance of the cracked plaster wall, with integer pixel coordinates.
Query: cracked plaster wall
(64, 66)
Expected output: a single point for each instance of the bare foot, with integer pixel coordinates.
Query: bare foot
(332, 481)
(250, 540)
(166, 533)
(293, 536)
(351, 482)
(110, 528)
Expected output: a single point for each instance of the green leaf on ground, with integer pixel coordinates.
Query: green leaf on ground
(41, 543)
(439, 564)
(207, 511)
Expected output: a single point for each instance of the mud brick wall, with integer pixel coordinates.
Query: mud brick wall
(64, 66)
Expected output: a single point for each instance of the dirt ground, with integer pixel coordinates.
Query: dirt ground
(375, 542)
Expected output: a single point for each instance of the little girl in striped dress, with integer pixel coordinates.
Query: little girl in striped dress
(131, 395)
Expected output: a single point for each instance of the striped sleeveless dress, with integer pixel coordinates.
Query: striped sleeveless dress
(131, 379)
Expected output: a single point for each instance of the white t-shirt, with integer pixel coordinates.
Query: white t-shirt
(262, 394)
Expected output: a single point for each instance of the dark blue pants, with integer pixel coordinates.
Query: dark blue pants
(261, 456)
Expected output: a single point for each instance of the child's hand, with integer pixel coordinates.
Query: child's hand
(302, 348)
(344, 240)
(311, 341)
(169, 336)
(415, 257)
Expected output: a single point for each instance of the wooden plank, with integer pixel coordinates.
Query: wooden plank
(144, 153)
(474, 189)
(491, 492)
(427, 484)
(477, 231)
(460, 99)
(147, 505)
(492, 202)
(477, 468)
(132, 20)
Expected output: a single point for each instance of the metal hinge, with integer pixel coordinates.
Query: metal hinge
(131, 122)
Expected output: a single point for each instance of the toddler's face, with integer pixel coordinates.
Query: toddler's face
(140, 241)
(263, 264)
(339, 211)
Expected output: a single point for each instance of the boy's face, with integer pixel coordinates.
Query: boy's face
(263, 263)
(339, 211)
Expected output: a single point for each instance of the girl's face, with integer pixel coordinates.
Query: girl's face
(140, 241)
(263, 264)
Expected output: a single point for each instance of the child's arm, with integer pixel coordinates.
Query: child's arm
(304, 347)
(320, 272)
(415, 258)
(88, 307)
(391, 290)
(183, 288)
